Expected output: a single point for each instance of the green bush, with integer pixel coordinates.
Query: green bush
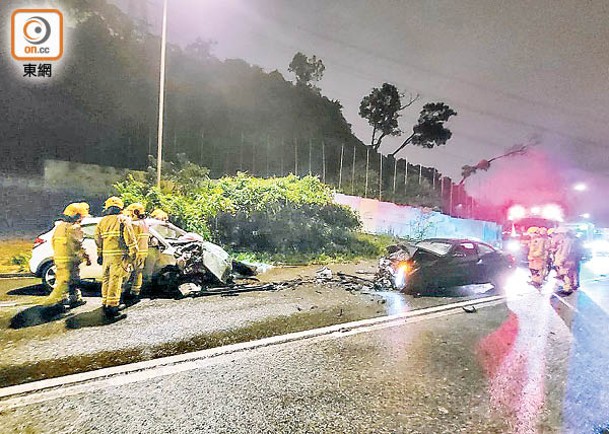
(288, 229)
(284, 217)
(20, 260)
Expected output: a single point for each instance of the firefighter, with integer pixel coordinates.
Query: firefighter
(568, 258)
(137, 213)
(68, 253)
(116, 250)
(159, 214)
(543, 234)
(536, 257)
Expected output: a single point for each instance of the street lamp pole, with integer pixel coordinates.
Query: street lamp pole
(159, 158)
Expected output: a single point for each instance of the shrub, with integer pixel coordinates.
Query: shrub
(277, 216)
(19, 260)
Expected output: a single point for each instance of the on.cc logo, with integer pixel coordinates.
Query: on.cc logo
(37, 34)
(37, 30)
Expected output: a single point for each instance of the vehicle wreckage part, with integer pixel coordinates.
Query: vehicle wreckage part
(201, 258)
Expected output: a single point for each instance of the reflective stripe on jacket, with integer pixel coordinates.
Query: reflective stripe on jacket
(67, 243)
(569, 250)
(537, 248)
(108, 236)
(142, 233)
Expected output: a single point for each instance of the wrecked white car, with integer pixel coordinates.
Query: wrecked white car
(174, 257)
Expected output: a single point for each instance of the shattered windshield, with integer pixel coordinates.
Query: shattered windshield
(169, 232)
(440, 248)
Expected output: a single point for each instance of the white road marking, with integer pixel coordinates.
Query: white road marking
(45, 390)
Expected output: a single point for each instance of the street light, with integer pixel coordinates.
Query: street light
(159, 156)
(585, 215)
(580, 186)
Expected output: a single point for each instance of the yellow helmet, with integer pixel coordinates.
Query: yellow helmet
(533, 230)
(135, 210)
(551, 231)
(543, 231)
(85, 209)
(72, 210)
(159, 214)
(114, 201)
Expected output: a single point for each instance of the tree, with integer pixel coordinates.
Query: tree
(306, 69)
(520, 149)
(201, 49)
(381, 108)
(430, 130)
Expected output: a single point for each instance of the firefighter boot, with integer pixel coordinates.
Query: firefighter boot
(112, 313)
(130, 299)
(75, 297)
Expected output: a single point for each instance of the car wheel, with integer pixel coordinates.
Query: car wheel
(416, 287)
(49, 275)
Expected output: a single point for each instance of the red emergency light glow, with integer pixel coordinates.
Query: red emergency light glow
(552, 212)
(516, 212)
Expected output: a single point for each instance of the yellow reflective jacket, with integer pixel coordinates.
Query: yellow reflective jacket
(568, 250)
(110, 241)
(140, 229)
(67, 243)
(537, 248)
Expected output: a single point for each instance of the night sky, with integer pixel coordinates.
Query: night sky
(515, 71)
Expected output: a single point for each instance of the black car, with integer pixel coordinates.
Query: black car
(439, 263)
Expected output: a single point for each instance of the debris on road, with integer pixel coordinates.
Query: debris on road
(324, 274)
(324, 277)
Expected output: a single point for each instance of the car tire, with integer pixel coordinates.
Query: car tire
(48, 273)
(416, 287)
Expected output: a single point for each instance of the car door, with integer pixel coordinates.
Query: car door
(462, 264)
(93, 271)
(490, 262)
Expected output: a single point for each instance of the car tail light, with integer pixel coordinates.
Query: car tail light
(39, 241)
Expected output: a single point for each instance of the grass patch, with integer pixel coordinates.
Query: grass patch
(364, 246)
(23, 373)
(14, 255)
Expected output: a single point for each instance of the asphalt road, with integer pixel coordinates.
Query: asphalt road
(162, 321)
(534, 364)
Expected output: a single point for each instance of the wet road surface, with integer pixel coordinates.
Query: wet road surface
(162, 321)
(535, 364)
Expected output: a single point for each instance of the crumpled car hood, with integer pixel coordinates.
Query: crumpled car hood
(201, 256)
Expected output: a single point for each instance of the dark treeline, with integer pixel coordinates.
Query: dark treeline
(101, 107)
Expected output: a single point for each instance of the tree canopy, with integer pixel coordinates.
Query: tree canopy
(381, 108)
(101, 104)
(306, 70)
(430, 131)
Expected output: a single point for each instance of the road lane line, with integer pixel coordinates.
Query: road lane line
(44, 390)
(589, 280)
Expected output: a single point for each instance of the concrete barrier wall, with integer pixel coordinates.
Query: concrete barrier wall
(28, 208)
(410, 222)
(89, 179)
